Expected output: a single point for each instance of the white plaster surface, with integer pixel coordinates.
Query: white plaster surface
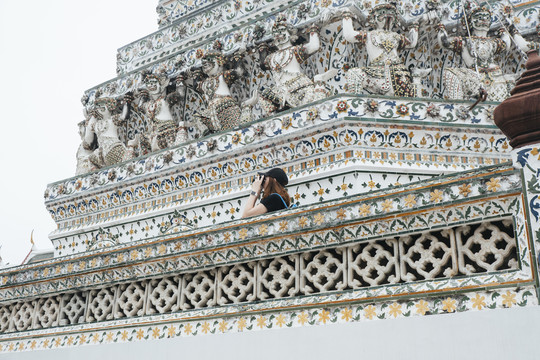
(486, 334)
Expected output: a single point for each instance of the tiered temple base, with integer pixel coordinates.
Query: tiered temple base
(380, 231)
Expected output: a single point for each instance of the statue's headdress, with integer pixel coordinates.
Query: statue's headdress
(383, 7)
(110, 103)
(160, 76)
(215, 52)
(281, 24)
(474, 9)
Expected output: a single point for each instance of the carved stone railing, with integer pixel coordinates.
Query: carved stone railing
(457, 251)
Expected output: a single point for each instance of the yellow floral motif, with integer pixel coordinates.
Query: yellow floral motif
(395, 310)
(46, 343)
(341, 214)
(465, 190)
(324, 316)
(242, 234)
(369, 312)
(320, 192)
(346, 314)
(140, 334)
(120, 258)
(188, 329)
(422, 307)
(478, 302)
(125, 335)
(436, 196)
(261, 321)
(372, 184)
(410, 201)
(148, 252)
(11, 347)
(509, 299)
(171, 332)
(387, 205)
(162, 249)
(493, 185)
(303, 221)
(319, 219)
(280, 320)
(241, 324)
(21, 346)
(263, 229)
(364, 210)
(95, 337)
(223, 326)
(303, 318)
(82, 340)
(58, 342)
(32, 345)
(134, 255)
(343, 187)
(70, 268)
(283, 225)
(227, 236)
(110, 336)
(449, 305)
(326, 3)
(205, 327)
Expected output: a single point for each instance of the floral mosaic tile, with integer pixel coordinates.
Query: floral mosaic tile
(528, 159)
(335, 313)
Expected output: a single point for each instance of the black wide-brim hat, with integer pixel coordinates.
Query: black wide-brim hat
(277, 174)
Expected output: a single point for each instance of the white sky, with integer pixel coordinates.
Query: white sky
(51, 51)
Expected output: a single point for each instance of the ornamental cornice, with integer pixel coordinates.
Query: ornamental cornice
(285, 126)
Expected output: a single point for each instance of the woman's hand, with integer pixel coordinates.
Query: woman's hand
(257, 184)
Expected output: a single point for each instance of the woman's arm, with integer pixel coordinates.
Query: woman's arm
(250, 209)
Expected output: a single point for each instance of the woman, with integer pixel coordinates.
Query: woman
(275, 196)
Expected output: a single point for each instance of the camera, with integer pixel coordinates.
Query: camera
(258, 174)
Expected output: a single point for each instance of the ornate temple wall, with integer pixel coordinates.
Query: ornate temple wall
(406, 206)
